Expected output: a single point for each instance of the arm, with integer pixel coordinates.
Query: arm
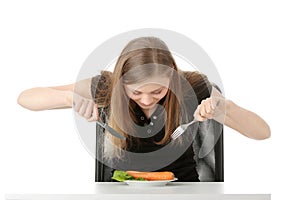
(227, 112)
(246, 122)
(45, 98)
(77, 95)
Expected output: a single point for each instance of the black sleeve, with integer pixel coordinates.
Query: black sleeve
(100, 88)
(200, 84)
(202, 89)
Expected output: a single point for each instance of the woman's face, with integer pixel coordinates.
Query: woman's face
(149, 93)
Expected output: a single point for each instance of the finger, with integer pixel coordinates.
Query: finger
(200, 118)
(89, 110)
(208, 106)
(212, 103)
(83, 108)
(77, 105)
(95, 114)
(209, 116)
(197, 113)
(202, 110)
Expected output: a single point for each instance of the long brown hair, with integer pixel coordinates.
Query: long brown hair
(142, 59)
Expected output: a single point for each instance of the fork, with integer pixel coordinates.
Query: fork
(180, 129)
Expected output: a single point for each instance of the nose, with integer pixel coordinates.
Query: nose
(146, 99)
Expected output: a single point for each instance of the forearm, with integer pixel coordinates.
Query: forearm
(43, 98)
(246, 122)
(83, 88)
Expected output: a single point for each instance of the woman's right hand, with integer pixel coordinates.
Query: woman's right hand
(85, 107)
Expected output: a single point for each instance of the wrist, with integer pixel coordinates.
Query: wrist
(69, 99)
(228, 106)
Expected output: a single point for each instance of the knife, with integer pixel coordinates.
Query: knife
(111, 130)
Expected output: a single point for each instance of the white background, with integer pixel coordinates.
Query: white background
(255, 46)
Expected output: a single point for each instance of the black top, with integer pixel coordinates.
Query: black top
(183, 167)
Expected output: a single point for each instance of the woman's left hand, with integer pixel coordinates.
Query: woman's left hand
(226, 112)
(205, 110)
(212, 107)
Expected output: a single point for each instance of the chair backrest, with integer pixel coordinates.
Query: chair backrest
(103, 173)
(219, 157)
(208, 149)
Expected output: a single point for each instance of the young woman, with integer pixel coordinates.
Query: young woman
(145, 99)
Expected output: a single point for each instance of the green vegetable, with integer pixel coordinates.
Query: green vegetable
(123, 176)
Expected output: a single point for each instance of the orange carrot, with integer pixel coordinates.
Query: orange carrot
(152, 176)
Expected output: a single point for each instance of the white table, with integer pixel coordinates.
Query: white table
(121, 191)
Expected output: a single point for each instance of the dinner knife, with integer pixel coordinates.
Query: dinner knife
(111, 130)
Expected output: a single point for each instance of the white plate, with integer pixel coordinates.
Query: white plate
(148, 183)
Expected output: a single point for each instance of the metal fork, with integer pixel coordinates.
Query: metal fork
(180, 129)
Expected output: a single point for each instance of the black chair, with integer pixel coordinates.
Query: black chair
(219, 156)
(103, 173)
(210, 162)
(210, 167)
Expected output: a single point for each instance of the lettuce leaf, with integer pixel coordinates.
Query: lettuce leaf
(123, 176)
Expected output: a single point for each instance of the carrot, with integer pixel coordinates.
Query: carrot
(152, 176)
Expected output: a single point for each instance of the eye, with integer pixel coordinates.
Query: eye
(136, 93)
(156, 92)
